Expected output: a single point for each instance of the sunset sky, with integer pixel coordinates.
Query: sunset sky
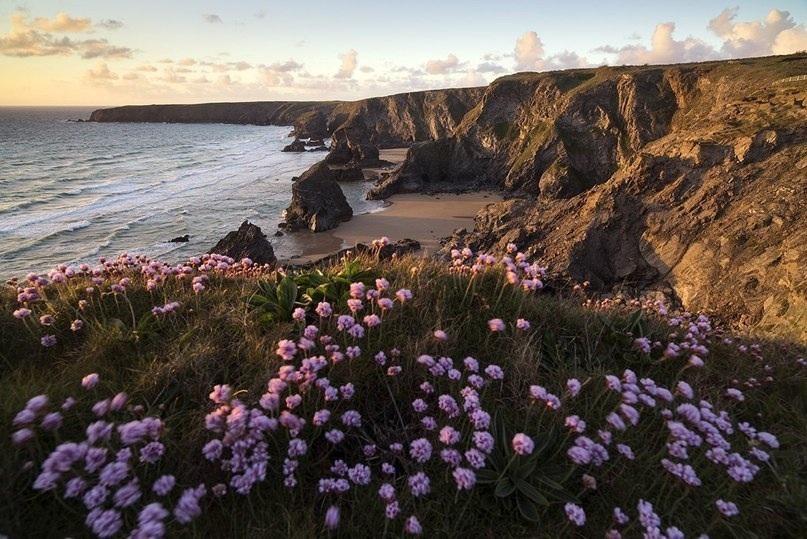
(106, 53)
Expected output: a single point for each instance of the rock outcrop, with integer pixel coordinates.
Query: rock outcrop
(691, 178)
(296, 146)
(246, 242)
(317, 201)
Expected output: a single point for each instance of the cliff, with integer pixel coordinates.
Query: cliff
(689, 178)
(380, 121)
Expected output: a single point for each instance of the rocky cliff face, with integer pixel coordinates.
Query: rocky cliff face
(691, 178)
(317, 201)
(378, 121)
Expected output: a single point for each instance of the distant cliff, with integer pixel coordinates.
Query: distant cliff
(382, 121)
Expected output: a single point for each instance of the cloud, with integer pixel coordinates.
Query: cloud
(366, 69)
(349, 62)
(147, 67)
(790, 41)
(441, 67)
(280, 73)
(101, 74)
(26, 39)
(62, 23)
(212, 18)
(110, 24)
(758, 38)
(490, 67)
(529, 56)
(529, 52)
(240, 66)
(664, 49)
(172, 76)
(131, 76)
(287, 66)
(187, 62)
(100, 48)
(260, 14)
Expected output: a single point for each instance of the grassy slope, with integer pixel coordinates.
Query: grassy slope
(170, 366)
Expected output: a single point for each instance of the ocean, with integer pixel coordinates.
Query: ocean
(71, 192)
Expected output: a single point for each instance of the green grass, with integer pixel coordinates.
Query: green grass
(169, 366)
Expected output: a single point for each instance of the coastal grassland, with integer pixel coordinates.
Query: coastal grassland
(169, 363)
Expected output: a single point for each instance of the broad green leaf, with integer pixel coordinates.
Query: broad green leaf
(505, 487)
(531, 492)
(527, 509)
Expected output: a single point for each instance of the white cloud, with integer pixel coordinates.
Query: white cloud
(529, 52)
(27, 38)
(212, 18)
(664, 49)
(101, 74)
(62, 23)
(349, 61)
(490, 67)
(790, 41)
(441, 67)
(753, 38)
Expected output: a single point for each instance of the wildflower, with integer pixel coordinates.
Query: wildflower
(494, 372)
(104, 523)
(647, 517)
(412, 526)
(48, 340)
(386, 492)
(22, 313)
(90, 381)
(357, 290)
(403, 295)
(625, 451)
(46, 320)
(324, 309)
(735, 394)
(728, 509)
(359, 474)
(496, 325)
(440, 335)
(419, 484)
(575, 514)
(381, 284)
(620, 517)
(449, 435)
(351, 418)
(642, 344)
(573, 385)
(334, 436)
(420, 450)
(465, 478)
(298, 314)
(187, 507)
(22, 436)
(286, 349)
(332, 517)
(385, 304)
(372, 320)
(575, 423)
(523, 444)
(523, 324)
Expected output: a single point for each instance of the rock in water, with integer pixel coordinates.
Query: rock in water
(246, 242)
(296, 146)
(180, 239)
(317, 201)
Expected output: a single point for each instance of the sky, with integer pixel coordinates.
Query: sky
(103, 52)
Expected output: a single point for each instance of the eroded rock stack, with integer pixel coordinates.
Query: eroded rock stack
(317, 201)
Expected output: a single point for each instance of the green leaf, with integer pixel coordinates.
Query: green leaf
(531, 492)
(527, 509)
(287, 294)
(486, 475)
(550, 483)
(505, 487)
(525, 469)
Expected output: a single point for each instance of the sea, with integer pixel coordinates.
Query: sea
(73, 191)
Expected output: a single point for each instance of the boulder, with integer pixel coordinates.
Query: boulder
(322, 148)
(317, 201)
(296, 146)
(180, 239)
(246, 242)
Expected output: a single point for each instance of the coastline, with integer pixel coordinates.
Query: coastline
(427, 218)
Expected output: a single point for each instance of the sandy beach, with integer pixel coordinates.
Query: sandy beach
(425, 218)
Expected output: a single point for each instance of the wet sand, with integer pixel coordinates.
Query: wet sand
(426, 218)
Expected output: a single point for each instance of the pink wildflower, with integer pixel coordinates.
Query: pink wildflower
(496, 325)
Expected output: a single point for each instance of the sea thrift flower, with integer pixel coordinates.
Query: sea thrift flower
(440, 335)
(324, 309)
(523, 444)
(412, 526)
(90, 381)
(523, 324)
(420, 450)
(22, 313)
(332, 517)
(286, 349)
(46, 320)
(419, 484)
(465, 478)
(48, 340)
(496, 324)
(575, 513)
(385, 303)
(728, 509)
(573, 385)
